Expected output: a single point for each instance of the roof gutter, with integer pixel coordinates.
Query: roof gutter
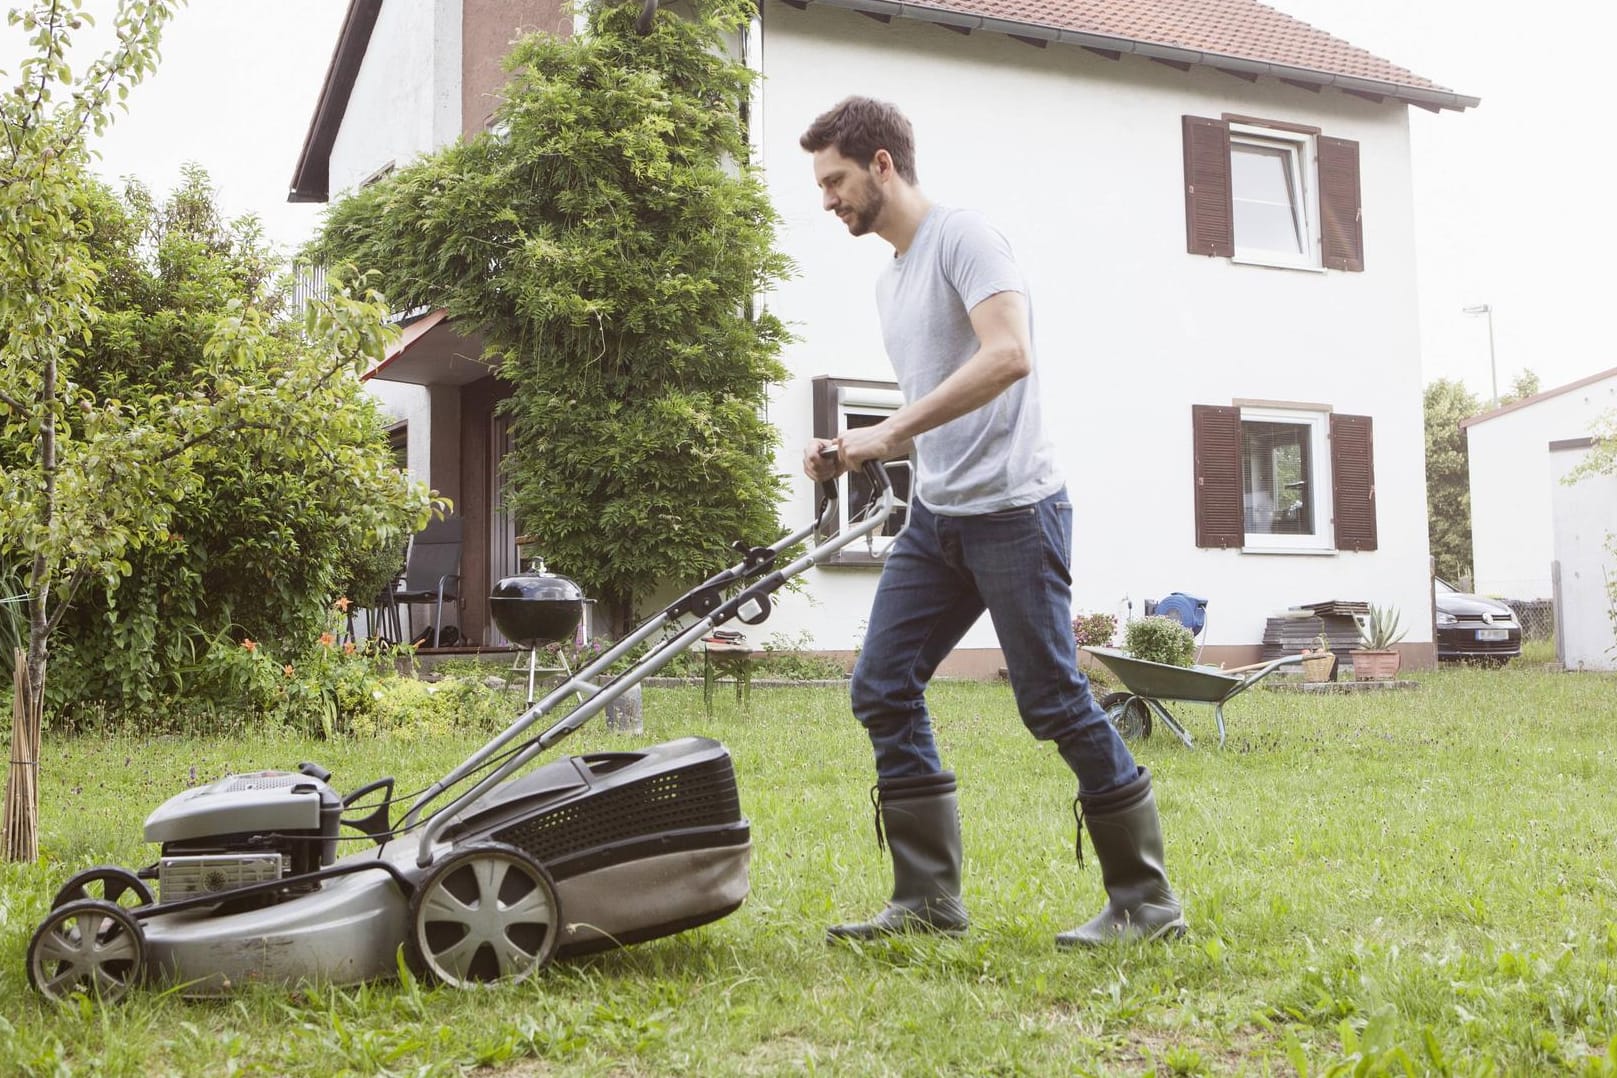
(311, 177)
(1424, 96)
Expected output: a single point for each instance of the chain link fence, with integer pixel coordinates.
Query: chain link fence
(1537, 617)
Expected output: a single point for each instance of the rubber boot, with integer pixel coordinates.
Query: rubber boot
(921, 820)
(1127, 836)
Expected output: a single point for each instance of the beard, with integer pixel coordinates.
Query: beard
(861, 218)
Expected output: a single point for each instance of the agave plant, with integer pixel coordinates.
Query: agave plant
(1380, 629)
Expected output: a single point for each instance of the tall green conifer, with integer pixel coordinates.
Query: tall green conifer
(607, 241)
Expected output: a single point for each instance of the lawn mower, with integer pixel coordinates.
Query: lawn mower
(512, 868)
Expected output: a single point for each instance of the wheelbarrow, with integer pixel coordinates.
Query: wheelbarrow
(1150, 685)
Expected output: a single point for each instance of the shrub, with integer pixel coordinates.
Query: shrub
(1094, 630)
(609, 247)
(790, 658)
(1160, 640)
(319, 688)
(279, 518)
(404, 709)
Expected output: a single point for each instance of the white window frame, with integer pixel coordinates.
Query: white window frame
(1303, 156)
(379, 175)
(869, 401)
(1323, 541)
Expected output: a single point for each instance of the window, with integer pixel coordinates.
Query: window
(1284, 473)
(1283, 479)
(1270, 192)
(1272, 197)
(398, 444)
(378, 176)
(847, 404)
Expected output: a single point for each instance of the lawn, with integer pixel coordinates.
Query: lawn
(1400, 882)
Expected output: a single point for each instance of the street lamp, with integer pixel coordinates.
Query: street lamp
(1493, 368)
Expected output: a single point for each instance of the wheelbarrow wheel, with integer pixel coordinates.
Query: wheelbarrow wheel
(1128, 713)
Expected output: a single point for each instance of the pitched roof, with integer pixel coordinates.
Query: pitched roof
(1241, 36)
(311, 176)
(1528, 402)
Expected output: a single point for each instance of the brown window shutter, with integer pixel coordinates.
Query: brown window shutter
(1209, 209)
(826, 419)
(1353, 481)
(1340, 210)
(1217, 436)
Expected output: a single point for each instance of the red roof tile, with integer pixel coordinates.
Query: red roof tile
(1235, 29)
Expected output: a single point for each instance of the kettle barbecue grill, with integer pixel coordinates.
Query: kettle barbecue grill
(536, 608)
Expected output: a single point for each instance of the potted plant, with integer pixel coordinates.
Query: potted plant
(1094, 630)
(1319, 660)
(1160, 640)
(1379, 630)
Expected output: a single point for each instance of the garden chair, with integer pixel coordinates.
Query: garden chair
(432, 574)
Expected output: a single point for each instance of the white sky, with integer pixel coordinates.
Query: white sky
(1499, 211)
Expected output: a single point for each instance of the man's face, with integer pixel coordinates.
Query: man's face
(849, 190)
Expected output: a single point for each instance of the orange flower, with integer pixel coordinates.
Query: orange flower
(343, 604)
(287, 669)
(326, 640)
(348, 647)
(250, 646)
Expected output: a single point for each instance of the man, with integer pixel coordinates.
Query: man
(990, 528)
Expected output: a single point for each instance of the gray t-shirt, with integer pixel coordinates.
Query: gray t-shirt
(996, 457)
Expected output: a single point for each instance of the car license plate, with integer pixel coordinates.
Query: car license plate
(1493, 634)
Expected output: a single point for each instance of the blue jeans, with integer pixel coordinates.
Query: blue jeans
(941, 574)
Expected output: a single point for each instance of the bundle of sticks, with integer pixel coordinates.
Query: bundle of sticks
(22, 781)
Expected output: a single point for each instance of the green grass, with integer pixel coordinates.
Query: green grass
(1537, 651)
(1406, 882)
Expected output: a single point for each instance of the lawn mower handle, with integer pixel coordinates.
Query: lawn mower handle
(757, 566)
(875, 474)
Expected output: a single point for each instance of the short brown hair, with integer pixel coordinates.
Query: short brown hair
(856, 127)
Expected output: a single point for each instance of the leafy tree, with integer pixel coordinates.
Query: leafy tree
(1525, 385)
(1602, 460)
(92, 481)
(607, 244)
(1448, 476)
(280, 522)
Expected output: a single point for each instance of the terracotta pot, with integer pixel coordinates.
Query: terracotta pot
(1375, 665)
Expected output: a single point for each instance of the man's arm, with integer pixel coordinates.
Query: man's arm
(1004, 357)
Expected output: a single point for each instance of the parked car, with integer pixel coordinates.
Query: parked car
(1474, 628)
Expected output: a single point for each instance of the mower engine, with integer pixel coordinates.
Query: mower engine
(245, 829)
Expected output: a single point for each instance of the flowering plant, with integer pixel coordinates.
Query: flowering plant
(1094, 630)
(322, 686)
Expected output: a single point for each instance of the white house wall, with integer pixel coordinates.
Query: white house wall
(411, 404)
(406, 99)
(1079, 161)
(1512, 537)
(406, 102)
(1585, 523)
